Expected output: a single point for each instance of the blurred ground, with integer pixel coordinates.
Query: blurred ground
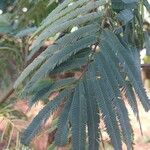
(142, 142)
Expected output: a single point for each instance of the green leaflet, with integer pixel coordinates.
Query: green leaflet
(119, 5)
(63, 15)
(135, 105)
(40, 85)
(125, 16)
(59, 58)
(78, 118)
(51, 31)
(75, 62)
(63, 83)
(112, 87)
(70, 65)
(92, 116)
(129, 1)
(118, 74)
(63, 124)
(57, 10)
(66, 41)
(35, 125)
(47, 88)
(39, 91)
(60, 11)
(104, 103)
(74, 18)
(129, 67)
(74, 11)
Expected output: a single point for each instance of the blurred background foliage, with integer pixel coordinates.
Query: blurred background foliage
(18, 19)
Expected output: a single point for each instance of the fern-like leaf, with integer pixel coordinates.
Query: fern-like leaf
(106, 72)
(63, 124)
(78, 118)
(104, 101)
(93, 116)
(111, 85)
(129, 67)
(34, 127)
(65, 42)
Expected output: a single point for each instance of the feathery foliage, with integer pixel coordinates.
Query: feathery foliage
(103, 48)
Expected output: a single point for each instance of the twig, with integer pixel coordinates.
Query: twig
(89, 60)
(145, 66)
(10, 92)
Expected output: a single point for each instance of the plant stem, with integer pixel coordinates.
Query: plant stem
(10, 92)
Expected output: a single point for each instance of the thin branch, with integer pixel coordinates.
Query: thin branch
(10, 92)
(145, 66)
